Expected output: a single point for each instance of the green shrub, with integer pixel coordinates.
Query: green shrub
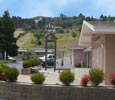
(38, 78)
(11, 74)
(34, 62)
(1, 69)
(60, 31)
(96, 76)
(39, 42)
(74, 34)
(4, 66)
(66, 77)
(31, 63)
(26, 64)
(4, 61)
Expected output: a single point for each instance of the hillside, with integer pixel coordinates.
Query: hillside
(25, 41)
(28, 40)
(32, 35)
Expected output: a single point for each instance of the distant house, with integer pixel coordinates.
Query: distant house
(52, 27)
(77, 54)
(57, 27)
(100, 36)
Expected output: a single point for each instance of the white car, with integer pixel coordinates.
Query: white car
(11, 58)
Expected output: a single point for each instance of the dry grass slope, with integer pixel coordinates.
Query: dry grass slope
(29, 41)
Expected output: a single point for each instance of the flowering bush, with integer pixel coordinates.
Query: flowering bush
(84, 80)
(112, 78)
(2, 76)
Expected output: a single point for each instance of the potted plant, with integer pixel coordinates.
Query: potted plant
(28, 64)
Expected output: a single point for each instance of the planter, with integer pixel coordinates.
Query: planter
(35, 69)
(26, 71)
(30, 70)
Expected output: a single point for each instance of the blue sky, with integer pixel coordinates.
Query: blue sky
(51, 8)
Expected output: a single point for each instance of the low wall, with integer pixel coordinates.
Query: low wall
(21, 91)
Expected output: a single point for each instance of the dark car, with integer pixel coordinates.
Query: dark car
(50, 60)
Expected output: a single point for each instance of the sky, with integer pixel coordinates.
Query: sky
(53, 8)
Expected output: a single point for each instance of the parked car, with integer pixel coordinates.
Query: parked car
(50, 60)
(12, 59)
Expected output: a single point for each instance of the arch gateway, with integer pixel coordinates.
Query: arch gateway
(50, 38)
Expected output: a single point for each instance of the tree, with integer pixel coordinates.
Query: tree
(81, 16)
(101, 17)
(74, 34)
(28, 53)
(104, 18)
(67, 24)
(62, 15)
(7, 41)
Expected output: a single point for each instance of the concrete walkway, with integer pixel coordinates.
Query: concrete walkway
(53, 77)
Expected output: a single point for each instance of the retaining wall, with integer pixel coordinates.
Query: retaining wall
(21, 91)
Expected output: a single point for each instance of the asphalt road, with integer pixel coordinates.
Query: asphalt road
(17, 64)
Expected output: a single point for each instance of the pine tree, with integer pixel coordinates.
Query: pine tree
(7, 41)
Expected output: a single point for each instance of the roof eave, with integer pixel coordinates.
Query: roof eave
(86, 34)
